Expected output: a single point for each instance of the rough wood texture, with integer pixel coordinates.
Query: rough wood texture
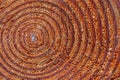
(59, 39)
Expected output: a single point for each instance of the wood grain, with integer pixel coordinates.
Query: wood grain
(59, 39)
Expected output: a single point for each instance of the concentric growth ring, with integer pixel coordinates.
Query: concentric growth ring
(59, 40)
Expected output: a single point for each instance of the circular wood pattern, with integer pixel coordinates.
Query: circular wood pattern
(59, 39)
